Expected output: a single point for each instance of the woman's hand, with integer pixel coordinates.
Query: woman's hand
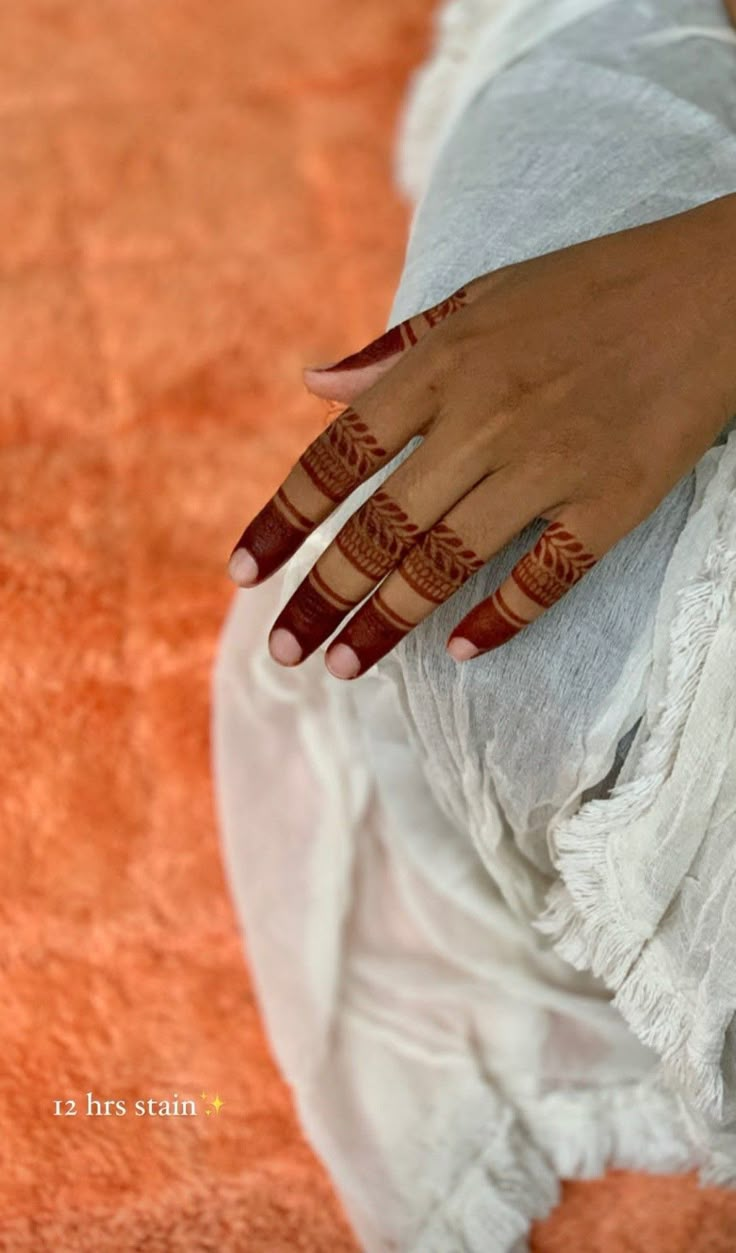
(577, 387)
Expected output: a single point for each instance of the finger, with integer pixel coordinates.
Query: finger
(441, 561)
(545, 574)
(373, 541)
(350, 377)
(341, 457)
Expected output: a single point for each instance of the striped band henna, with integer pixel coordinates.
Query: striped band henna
(398, 338)
(345, 454)
(439, 564)
(557, 561)
(434, 567)
(275, 533)
(373, 541)
(313, 612)
(377, 536)
(374, 631)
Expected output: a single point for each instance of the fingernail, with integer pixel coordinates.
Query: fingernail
(462, 649)
(342, 662)
(242, 567)
(284, 647)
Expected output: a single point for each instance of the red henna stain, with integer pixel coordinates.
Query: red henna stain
(387, 345)
(373, 632)
(342, 456)
(439, 564)
(313, 612)
(555, 563)
(275, 534)
(377, 536)
(397, 338)
(445, 308)
(492, 623)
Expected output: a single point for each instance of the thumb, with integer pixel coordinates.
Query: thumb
(344, 384)
(344, 380)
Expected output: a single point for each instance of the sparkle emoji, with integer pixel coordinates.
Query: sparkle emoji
(215, 1104)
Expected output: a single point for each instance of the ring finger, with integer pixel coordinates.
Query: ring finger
(442, 560)
(374, 540)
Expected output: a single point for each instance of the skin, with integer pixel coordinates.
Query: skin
(578, 387)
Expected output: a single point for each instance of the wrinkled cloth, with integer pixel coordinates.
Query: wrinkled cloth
(490, 908)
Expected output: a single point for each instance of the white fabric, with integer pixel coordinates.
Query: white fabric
(488, 909)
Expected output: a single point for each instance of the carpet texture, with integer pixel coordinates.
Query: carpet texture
(195, 200)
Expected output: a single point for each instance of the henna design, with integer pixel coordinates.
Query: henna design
(313, 613)
(544, 575)
(274, 534)
(556, 562)
(490, 624)
(387, 345)
(439, 564)
(400, 337)
(373, 540)
(377, 536)
(342, 456)
(374, 631)
(443, 310)
(436, 565)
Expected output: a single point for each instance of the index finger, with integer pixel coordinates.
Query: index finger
(348, 451)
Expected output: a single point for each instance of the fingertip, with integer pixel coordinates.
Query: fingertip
(243, 567)
(284, 647)
(342, 661)
(462, 649)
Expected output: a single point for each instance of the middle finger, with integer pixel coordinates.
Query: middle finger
(374, 540)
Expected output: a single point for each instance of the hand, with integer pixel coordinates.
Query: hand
(577, 387)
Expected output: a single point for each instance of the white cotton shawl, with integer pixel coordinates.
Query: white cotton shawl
(471, 994)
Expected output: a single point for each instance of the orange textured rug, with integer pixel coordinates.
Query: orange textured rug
(195, 200)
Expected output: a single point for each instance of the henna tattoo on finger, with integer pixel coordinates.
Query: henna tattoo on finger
(313, 613)
(374, 631)
(345, 454)
(373, 541)
(274, 534)
(377, 536)
(400, 337)
(340, 458)
(557, 561)
(434, 567)
(439, 564)
(445, 308)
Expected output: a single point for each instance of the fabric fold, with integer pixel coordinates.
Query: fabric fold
(638, 868)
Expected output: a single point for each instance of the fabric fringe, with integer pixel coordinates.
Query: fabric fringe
(634, 1126)
(508, 1186)
(584, 916)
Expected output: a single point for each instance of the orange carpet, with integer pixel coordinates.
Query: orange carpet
(195, 200)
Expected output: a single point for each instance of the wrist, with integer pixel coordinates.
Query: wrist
(706, 266)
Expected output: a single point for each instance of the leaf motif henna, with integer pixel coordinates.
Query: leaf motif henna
(439, 564)
(445, 307)
(556, 562)
(544, 575)
(377, 536)
(345, 454)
